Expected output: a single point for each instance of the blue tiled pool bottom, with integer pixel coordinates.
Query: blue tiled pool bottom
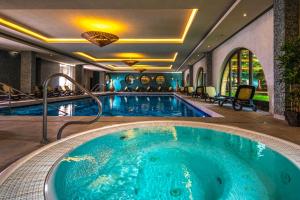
(173, 163)
(116, 105)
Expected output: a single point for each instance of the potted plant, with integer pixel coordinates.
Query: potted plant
(290, 66)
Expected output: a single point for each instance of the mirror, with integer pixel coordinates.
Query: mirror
(160, 80)
(145, 80)
(129, 79)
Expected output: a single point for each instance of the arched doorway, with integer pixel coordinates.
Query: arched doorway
(244, 68)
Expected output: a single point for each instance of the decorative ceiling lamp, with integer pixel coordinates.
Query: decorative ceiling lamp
(130, 62)
(100, 38)
(140, 70)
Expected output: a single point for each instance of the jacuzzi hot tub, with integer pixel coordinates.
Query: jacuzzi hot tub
(173, 162)
(158, 160)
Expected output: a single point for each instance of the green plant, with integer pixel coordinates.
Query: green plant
(290, 66)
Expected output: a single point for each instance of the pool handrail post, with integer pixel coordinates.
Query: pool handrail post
(45, 107)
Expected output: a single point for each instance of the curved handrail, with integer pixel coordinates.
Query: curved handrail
(97, 86)
(45, 105)
(28, 96)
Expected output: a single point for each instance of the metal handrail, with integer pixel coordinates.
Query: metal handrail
(45, 105)
(28, 96)
(97, 86)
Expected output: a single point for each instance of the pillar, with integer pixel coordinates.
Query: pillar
(286, 27)
(209, 75)
(191, 74)
(28, 71)
(79, 74)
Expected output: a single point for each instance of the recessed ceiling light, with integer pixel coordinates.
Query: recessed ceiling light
(198, 55)
(245, 15)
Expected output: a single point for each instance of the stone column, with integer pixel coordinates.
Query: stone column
(102, 80)
(191, 74)
(79, 74)
(209, 75)
(286, 27)
(28, 71)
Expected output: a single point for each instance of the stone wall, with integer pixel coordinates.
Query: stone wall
(46, 68)
(10, 68)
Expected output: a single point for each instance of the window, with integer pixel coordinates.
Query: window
(243, 68)
(68, 70)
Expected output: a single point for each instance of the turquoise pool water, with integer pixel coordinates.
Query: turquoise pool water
(174, 163)
(115, 105)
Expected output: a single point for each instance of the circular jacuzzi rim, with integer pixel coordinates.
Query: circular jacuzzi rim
(289, 150)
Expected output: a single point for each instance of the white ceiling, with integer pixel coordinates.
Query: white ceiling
(136, 19)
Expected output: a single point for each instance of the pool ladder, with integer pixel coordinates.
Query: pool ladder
(45, 107)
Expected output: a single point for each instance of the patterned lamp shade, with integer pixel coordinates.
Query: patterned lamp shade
(100, 38)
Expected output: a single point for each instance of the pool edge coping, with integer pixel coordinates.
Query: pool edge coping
(283, 147)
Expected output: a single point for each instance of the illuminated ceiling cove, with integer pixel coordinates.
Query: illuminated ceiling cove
(157, 38)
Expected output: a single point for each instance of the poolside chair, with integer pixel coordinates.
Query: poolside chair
(11, 94)
(199, 92)
(211, 94)
(243, 97)
(38, 91)
(148, 89)
(159, 89)
(51, 92)
(126, 89)
(181, 90)
(62, 91)
(137, 89)
(70, 92)
(170, 89)
(190, 91)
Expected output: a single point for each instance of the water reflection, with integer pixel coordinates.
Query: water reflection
(116, 105)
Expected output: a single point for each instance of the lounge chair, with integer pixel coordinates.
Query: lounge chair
(38, 91)
(181, 90)
(159, 89)
(148, 89)
(190, 91)
(170, 89)
(243, 97)
(199, 92)
(211, 94)
(70, 92)
(11, 94)
(62, 91)
(52, 92)
(126, 89)
(137, 89)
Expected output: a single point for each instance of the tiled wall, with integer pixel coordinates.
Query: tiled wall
(120, 83)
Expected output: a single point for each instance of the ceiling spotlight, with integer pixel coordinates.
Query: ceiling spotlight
(245, 15)
(198, 55)
(100, 38)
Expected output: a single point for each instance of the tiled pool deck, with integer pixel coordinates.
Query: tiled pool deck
(26, 178)
(15, 143)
